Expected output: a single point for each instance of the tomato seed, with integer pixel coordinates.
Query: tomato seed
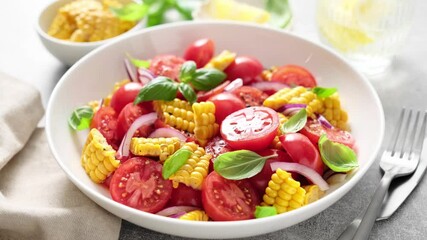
(121, 185)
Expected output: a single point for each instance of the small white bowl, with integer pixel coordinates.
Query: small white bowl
(66, 51)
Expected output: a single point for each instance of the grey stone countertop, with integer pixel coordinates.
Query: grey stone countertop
(404, 85)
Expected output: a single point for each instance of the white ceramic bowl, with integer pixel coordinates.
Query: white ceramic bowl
(94, 75)
(66, 51)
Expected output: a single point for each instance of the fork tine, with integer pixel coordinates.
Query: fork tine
(418, 145)
(413, 133)
(405, 128)
(394, 139)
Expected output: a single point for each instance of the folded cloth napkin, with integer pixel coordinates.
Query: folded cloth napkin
(37, 201)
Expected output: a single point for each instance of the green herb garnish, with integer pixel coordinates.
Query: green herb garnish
(265, 211)
(160, 88)
(324, 92)
(188, 92)
(239, 164)
(295, 123)
(174, 162)
(206, 79)
(139, 62)
(337, 156)
(80, 118)
(131, 11)
(280, 12)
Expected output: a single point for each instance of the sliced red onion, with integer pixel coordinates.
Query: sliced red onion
(145, 75)
(291, 108)
(177, 215)
(269, 87)
(307, 172)
(146, 119)
(324, 121)
(170, 211)
(130, 70)
(235, 84)
(168, 132)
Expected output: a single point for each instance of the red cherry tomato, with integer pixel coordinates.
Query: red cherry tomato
(314, 129)
(185, 196)
(105, 120)
(138, 183)
(260, 181)
(204, 96)
(215, 147)
(294, 75)
(225, 104)
(302, 151)
(244, 67)
(127, 116)
(124, 95)
(250, 95)
(201, 51)
(228, 200)
(166, 65)
(251, 128)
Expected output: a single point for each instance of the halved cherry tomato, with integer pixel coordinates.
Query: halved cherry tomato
(313, 129)
(225, 104)
(124, 95)
(294, 75)
(166, 65)
(185, 196)
(244, 67)
(215, 147)
(228, 200)
(250, 95)
(260, 181)
(203, 96)
(250, 128)
(302, 151)
(128, 115)
(201, 51)
(105, 120)
(138, 183)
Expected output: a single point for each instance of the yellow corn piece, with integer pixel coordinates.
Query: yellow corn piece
(205, 126)
(98, 157)
(333, 112)
(196, 215)
(177, 113)
(283, 192)
(155, 147)
(221, 61)
(195, 170)
(313, 193)
(276, 142)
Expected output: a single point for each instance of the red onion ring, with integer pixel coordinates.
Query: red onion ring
(291, 108)
(146, 119)
(175, 210)
(130, 70)
(145, 75)
(307, 172)
(324, 121)
(235, 84)
(168, 132)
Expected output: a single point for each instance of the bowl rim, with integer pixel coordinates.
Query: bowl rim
(42, 33)
(316, 207)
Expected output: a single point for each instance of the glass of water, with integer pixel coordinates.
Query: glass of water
(369, 33)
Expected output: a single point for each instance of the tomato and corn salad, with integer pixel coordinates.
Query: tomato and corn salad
(208, 137)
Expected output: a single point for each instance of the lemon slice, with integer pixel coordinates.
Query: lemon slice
(343, 26)
(231, 10)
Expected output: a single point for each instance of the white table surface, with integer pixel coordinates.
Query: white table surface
(23, 56)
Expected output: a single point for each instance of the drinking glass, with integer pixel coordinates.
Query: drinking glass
(369, 33)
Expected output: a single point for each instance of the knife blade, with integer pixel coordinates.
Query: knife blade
(401, 188)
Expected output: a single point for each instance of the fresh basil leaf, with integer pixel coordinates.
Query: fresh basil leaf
(183, 10)
(188, 92)
(174, 162)
(280, 13)
(295, 123)
(187, 71)
(265, 211)
(324, 92)
(206, 79)
(80, 118)
(156, 12)
(130, 12)
(139, 62)
(239, 164)
(160, 88)
(337, 156)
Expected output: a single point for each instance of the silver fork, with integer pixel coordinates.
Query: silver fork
(399, 159)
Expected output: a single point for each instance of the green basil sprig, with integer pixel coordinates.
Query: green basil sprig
(160, 88)
(324, 92)
(80, 118)
(265, 211)
(139, 62)
(239, 164)
(295, 123)
(337, 156)
(174, 162)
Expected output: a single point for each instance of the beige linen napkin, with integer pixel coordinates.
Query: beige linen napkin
(37, 201)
